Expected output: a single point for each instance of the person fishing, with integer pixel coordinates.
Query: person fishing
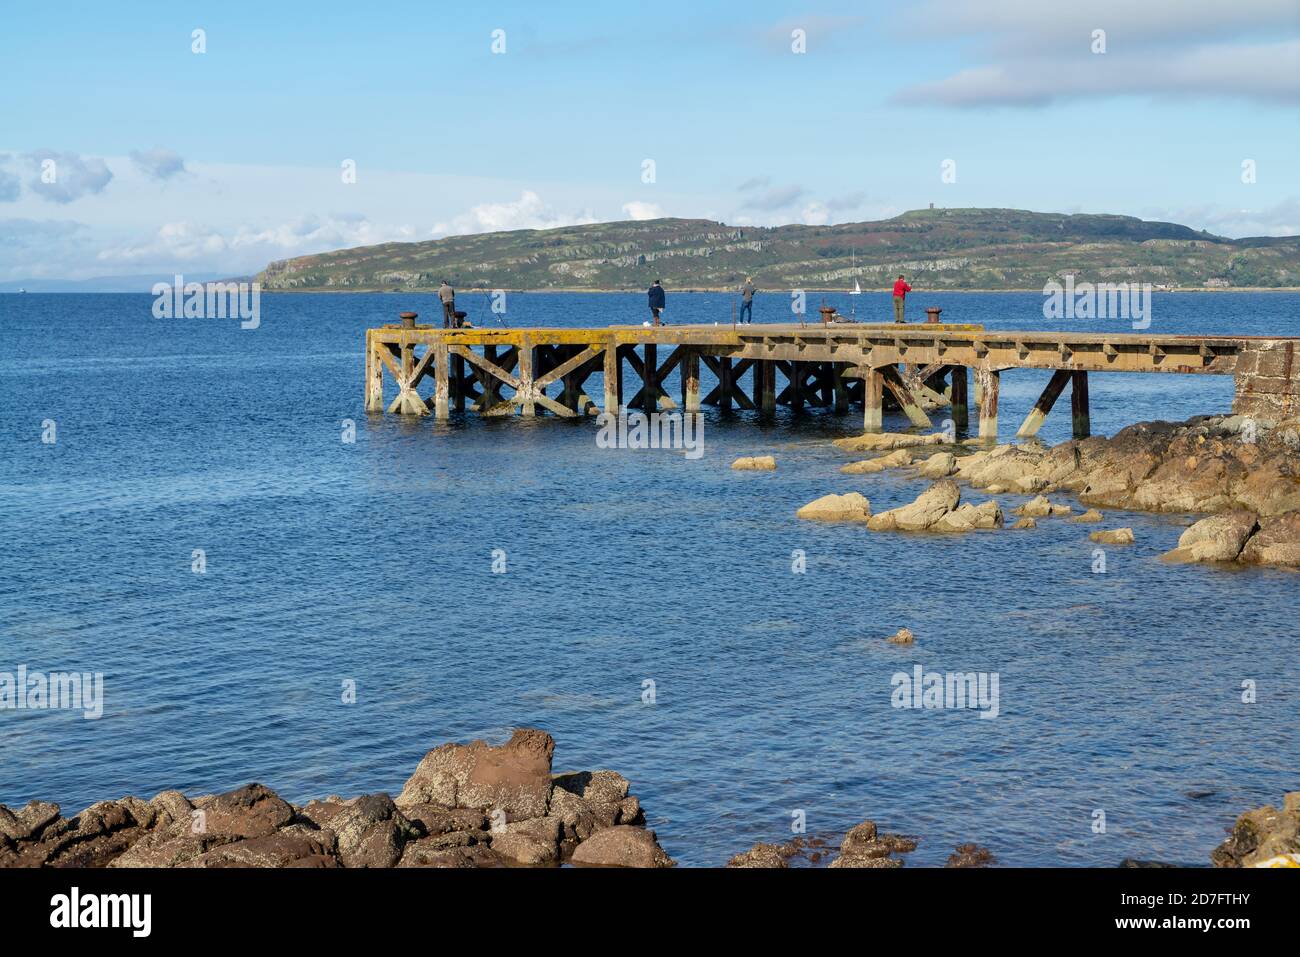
(901, 289)
(447, 295)
(656, 293)
(747, 300)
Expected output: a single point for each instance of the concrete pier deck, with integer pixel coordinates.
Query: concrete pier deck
(915, 367)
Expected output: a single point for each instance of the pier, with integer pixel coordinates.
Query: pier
(836, 366)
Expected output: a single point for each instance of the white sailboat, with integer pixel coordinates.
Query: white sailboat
(857, 289)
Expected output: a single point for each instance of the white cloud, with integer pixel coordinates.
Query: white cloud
(158, 163)
(527, 212)
(64, 177)
(639, 210)
(1035, 53)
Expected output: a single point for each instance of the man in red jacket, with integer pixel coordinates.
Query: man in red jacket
(901, 289)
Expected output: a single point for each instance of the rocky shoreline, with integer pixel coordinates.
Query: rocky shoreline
(473, 805)
(1243, 472)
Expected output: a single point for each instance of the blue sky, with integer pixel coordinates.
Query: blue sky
(168, 159)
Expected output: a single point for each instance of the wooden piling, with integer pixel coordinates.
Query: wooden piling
(1079, 404)
(525, 393)
(873, 402)
(611, 379)
(1034, 421)
(989, 382)
(957, 393)
(766, 381)
(691, 381)
(725, 384)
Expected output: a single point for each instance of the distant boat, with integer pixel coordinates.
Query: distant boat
(22, 290)
(857, 290)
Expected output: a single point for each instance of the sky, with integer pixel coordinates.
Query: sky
(130, 144)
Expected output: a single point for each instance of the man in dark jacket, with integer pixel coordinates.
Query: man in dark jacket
(656, 301)
(447, 295)
(747, 300)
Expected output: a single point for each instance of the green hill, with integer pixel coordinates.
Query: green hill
(937, 248)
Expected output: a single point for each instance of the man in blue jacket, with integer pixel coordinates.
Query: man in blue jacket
(656, 301)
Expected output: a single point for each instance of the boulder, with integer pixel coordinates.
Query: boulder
(1088, 517)
(860, 860)
(370, 830)
(850, 507)
(895, 459)
(514, 777)
(970, 855)
(1040, 507)
(622, 846)
(295, 846)
(1277, 542)
(1025, 523)
(757, 463)
(881, 441)
(535, 841)
(968, 517)
(1261, 835)
(940, 465)
(1113, 536)
(761, 855)
(903, 636)
(930, 506)
(251, 811)
(1219, 538)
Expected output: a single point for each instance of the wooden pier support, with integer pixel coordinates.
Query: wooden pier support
(613, 392)
(440, 373)
(989, 382)
(649, 400)
(765, 385)
(1079, 404)
(957, 396)
(1034, 421)
(725, 383)
(691, 380)
(524, 394)
(906, 398)
(839, 388)
(873, 403)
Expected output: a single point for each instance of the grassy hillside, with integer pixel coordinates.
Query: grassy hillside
(941, 248)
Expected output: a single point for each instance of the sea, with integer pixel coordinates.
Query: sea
(279, 587)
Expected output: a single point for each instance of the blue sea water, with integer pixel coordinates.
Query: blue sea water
(327, 562)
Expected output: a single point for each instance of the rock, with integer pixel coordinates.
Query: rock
(930, 506)
(93, 838)
(850, 507)
(761, 855)
(1262, 834)
(1113, 536)
(940, 465)
(1040, 507)
(757, 463)
(514, 777)
(1008, 468)
(861, 861)
(292, 847)
(423, 853)
(1091, 515)
(370, 830)
(534, 841)
(622, 846)
(880, 441)
(171, 808)
(432, 820)
(1219, 538)
(1277, 542)
(159, 848)
(859, 837)
(1025, 523)
(968, 517)
(28, 821)
(901, 637)
(895, 459)
(970, 855)
(250, 811)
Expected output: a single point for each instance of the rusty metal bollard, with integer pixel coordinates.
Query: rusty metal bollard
(827, 312)
(932, 314)
(408, 319)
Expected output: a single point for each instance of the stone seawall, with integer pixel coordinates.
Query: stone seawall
(1268, 380)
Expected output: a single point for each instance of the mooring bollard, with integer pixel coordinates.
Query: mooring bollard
(932, 314)
(408, 319)
(827, 312)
